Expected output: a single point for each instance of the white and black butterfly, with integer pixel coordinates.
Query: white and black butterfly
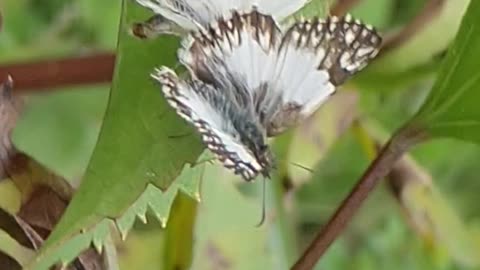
(251, 80)
(177, 16)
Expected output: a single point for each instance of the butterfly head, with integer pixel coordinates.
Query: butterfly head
(266, 160)
(252, 136)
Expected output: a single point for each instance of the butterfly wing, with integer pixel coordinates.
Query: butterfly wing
(240, 50)
(315, 57)
(287, 75)
(179, 12)
(280, 9)
(190, 14)
(208, 109)
(343, 45)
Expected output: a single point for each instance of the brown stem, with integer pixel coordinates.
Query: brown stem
(431, 9)
(379, 168)
(341, 7)
(44, 75)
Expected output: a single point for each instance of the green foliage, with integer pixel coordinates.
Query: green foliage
(451, 109)
(135, 159)
(179, 238)
(74, 117)
(373, 11)
(417, 59)
(141, 142)
(433, 39)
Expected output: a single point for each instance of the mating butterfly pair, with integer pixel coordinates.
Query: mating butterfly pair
(251, 79)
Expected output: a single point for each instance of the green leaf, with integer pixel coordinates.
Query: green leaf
(61, 129)
(374, 12)
(417, 58)
(179, 239)
(142, 142)
(430, 41)
(451, 110)
(159, 202)
(311, 9)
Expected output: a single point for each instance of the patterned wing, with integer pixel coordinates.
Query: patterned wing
(179, 12)
(190, 14)
(345, 45)
(286, 75)
(317, 56)
(239, 51)
(208, 110)
(279, 9)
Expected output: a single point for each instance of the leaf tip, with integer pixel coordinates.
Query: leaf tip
(143, 217)
(163, 222)
(197, 197)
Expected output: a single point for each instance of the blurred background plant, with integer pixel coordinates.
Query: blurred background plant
(424, 217)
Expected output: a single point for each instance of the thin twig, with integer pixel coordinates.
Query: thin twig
(341, 7)
(379, 168)
(429, 12)
(45, 75)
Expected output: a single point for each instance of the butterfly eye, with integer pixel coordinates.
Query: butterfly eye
(263, 148)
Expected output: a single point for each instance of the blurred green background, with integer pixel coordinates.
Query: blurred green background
(60, 130)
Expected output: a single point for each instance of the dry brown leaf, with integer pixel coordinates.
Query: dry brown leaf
(6, 262)
(44, 195)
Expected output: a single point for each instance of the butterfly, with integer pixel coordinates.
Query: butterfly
(198, 14)
(251, 79)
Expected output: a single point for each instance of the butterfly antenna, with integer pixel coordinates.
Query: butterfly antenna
(264, 203)
(302, 167)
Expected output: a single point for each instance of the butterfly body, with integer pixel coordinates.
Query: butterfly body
(246, 152)
(251, 79)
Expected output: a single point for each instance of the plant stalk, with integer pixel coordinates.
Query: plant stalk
(55, 73)
(377, 170)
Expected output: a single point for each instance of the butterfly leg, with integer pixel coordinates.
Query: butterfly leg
(179, 136)
(286, 117)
